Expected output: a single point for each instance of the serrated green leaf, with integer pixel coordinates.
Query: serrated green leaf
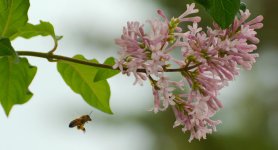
(222, 11)
(42, 29)
(80, 79)
(6, 48)
(104, 74)
(15, 77)
(13, 15)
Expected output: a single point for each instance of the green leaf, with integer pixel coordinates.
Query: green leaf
(15, 77)
(6, 48)
(205, 3)
(104, 74)
(222, 11)
(13, 15)
(42, 29)
(80, 79)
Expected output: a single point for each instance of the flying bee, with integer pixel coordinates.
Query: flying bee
(80, 122)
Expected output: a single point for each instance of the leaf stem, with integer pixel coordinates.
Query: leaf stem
(55, 46)
(50, 56)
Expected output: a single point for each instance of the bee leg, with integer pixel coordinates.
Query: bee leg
(81, 127)
(84, 130)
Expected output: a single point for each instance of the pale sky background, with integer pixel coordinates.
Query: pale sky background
(42, 123)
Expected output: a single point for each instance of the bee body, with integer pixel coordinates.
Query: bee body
(80, 122)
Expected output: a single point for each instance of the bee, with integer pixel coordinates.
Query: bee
(80, 122)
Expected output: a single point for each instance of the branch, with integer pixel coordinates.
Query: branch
(50, 56)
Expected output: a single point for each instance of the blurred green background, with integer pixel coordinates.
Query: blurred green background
(254, 112)
(250, 114)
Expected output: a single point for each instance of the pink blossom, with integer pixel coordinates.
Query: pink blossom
(208, 61)
(190, 9)
(156, 101)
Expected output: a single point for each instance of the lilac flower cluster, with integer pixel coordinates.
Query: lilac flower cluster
(209, 59)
